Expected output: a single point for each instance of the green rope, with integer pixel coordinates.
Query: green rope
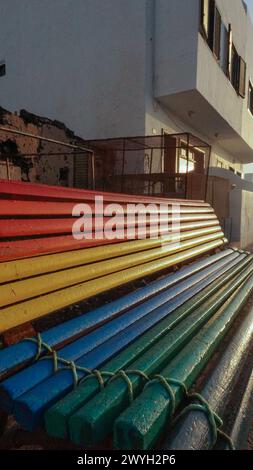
(40, 346)
(125, 376)
(167, 383)
(214, 421)
(227, 439)
(74, 368)
(56, 359)
(99, 376)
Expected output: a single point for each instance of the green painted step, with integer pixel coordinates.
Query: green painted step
(143, 423)
(94, 421)
(57, 417)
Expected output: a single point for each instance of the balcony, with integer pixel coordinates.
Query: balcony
(168, 165)
(191, 82)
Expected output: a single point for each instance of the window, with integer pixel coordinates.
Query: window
(250, 98)
(235, 68)
(224, 49)
(217, 34)
(242, 78)
(2, 69)
(185, 166)
(238, 72)
(205, 17)
(220, 40)
(211, 24)
(207, 20)
(230, 49)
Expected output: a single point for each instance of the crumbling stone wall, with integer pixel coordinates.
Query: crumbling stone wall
(27, 159)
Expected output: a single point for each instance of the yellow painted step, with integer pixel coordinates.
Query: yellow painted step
(35, 308)
(23, 268)
(20, 290)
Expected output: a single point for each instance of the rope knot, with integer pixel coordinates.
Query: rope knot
(125, 376)
(215, 422)
(167, 383)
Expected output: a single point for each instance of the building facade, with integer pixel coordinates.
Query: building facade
(112, 68)
(124, 67)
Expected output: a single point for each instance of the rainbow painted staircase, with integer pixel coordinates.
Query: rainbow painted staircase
(118, 373)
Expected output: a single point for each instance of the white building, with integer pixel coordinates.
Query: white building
(111, 68)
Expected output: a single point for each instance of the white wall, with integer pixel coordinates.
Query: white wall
(176, 24)
(217, 89)
(240, 207)
(98, 65)
(247, 220)
(81, 62)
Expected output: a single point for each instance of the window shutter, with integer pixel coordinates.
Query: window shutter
(242, 78)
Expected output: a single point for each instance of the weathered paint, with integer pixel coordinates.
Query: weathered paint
(95, 420)
(40, 265)
(142, 424)
(141, 318)
(243, 422)
(10, 228)
(193, 431)
(57, 418)
(19, 190)
(30, 309)
(24, 289)
(20, 353)
(30, 407)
